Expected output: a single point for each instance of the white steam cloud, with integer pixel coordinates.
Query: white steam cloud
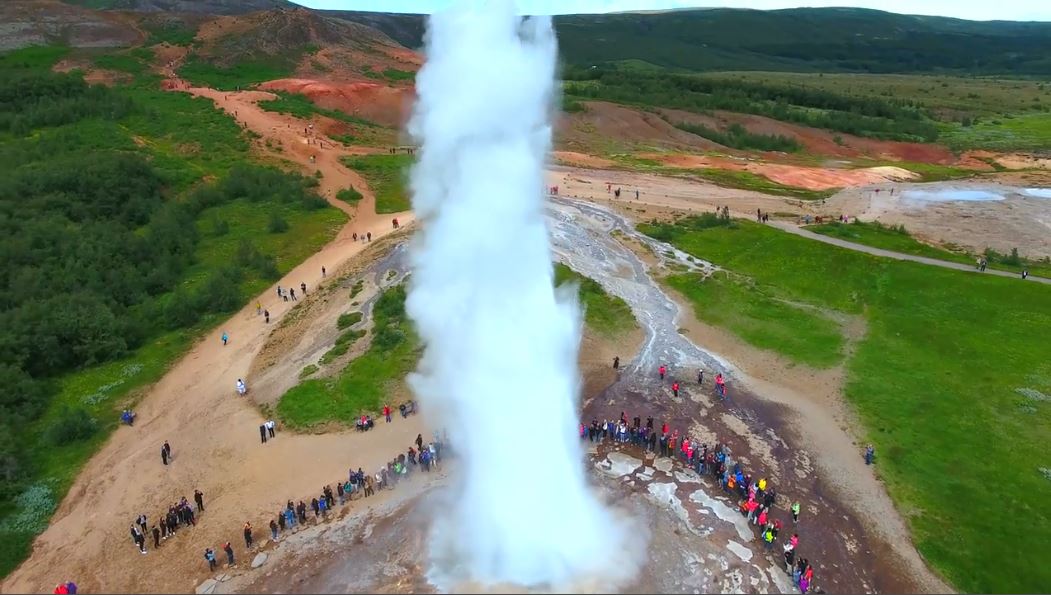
(499, 371)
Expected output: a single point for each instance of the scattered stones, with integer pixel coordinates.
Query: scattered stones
(663, 464)
(208, 586)
(259, 560)
(1033, 395)
(742, 552)
(619, 464)
(724, 512)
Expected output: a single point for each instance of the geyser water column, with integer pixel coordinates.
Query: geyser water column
(499, 368)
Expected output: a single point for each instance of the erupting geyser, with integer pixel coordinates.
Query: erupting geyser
(500, 369)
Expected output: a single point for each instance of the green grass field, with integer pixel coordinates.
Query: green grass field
(605, 314)
(300, 106)
(1029, 132)
(308, 232)
(898, 239)
(387, 176)
(942, 93)
(363, 384)
(237, 76)
(940, 384)
(758, 315)
(888, 238)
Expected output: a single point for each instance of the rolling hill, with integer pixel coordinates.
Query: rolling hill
(790, 40)
(807, 40)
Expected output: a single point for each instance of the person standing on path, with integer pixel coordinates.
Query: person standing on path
(675, 389)
(369, 235)
(636, 194)
(720, 384)
(292, 294)
(870, 454)
(303, 286)
(700, 376)
(662, 370)
(248, 535)
(322, 272)
(142, 522)
(209, 555)
(225, 338)
(616, 362)
(386, 413)
(156, 537)
(229, 554)
(198, 497)
(262, 433)
(266, 316)
(139, 539)
(168, 449)
(270, 425)
(795, 512)
(273, 530)
(164, 455)
(241, 388)
(1025, 274)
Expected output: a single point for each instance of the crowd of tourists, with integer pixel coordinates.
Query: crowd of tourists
(754, 495)
(179, 515)
(293, 516)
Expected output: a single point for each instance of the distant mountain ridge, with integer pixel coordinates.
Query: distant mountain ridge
(801, 40)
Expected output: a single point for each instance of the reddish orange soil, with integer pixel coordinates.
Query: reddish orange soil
(380, 103)
(606, 125)
(810, 178)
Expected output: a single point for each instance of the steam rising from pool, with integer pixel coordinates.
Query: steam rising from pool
(499, 370)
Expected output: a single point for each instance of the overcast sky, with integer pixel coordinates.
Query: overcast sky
(1015, 10)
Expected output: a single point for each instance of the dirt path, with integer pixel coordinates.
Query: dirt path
(213, 433)
(799, 231)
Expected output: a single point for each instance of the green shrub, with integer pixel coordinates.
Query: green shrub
(348, 319)
(71, 425)
(349, 195)
(276, 224)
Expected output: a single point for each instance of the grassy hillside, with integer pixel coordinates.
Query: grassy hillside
(807, 40)
(134, 220)
(952, 376)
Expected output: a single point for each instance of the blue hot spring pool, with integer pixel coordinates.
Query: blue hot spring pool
(951, 195)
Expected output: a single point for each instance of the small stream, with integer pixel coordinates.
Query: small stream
(583, 237)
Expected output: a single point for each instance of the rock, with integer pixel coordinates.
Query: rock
(222, 578)
(208, 586)
(259, 560)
